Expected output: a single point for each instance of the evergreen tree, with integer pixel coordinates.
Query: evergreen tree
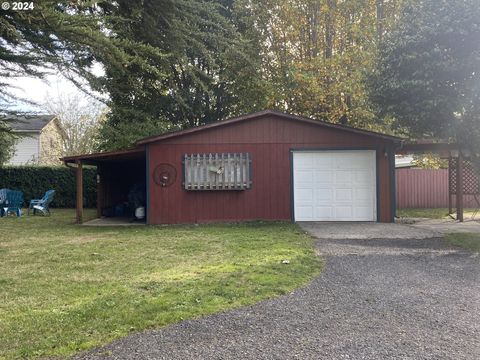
(55, 36)
(428, 73)
(198, 71)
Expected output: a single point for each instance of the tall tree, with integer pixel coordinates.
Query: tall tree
(200, 75)
(315, 54)
(428, 73)
(59, 35)
(80, 118)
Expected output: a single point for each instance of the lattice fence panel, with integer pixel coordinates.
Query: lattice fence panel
(471, 183)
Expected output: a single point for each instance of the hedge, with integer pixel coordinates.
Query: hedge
(33, 181)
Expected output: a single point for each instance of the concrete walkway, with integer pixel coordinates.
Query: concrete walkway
(447, 225)
(407, 229)
(113, 221)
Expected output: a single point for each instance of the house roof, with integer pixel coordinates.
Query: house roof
(263, 113)
(34, 123)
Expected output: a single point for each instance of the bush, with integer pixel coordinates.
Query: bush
(33, 181)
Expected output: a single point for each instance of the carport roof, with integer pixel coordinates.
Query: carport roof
(110, 156)
(259, 114)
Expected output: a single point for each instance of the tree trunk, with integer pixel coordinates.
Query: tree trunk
(330, 28)
(380, 18)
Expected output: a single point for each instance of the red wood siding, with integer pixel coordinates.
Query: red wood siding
(269, 141)
(425, 188)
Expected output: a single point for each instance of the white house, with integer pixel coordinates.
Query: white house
(40, 140)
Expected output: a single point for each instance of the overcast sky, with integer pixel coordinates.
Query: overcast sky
(37, 90)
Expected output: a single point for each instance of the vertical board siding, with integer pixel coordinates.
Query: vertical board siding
(425, 188)
(268, 141)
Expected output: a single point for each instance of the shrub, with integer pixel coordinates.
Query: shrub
(33, 181)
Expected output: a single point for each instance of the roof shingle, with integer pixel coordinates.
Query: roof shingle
(28, 123)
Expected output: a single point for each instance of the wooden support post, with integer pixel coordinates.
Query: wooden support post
(460, 187)
(450, 202)
(79, 178)
(99, 181)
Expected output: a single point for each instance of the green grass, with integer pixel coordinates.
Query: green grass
(467, 241)
(66, 288)
(439, 213)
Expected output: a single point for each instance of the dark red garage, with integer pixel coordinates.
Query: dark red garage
(267, 165)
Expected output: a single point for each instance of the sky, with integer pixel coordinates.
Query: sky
(38, 90)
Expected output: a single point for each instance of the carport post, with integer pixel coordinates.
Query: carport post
(79, 178)
(460, 187)
(450, 202)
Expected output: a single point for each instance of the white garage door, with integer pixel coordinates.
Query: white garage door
(335, 185)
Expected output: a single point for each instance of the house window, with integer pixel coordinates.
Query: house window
(220, 171)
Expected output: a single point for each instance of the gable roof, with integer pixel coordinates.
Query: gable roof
(263, 113)
(34, 123)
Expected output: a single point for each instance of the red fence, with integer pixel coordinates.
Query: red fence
(425, 188)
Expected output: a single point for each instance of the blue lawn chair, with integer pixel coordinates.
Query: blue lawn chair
(12, 203)
(3, 200)
(42, 204)
(3, 196)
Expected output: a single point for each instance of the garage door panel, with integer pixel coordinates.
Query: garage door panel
(323, 163)
(303, 176)
(343, 212)
(325, 194)
(351, 162)
(305, 195)
(344, 194)
(324, 212)
(363, 176)
(343, 176)
(362, 213)
(305, 213)
(303, 161)
(364, 194)
(335, 185)
(323, 177)
(356, 160)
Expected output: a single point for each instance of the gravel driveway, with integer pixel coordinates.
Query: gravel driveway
(376, 299)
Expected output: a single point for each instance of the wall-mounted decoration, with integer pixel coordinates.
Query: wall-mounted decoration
(220, 171)
(164, 175)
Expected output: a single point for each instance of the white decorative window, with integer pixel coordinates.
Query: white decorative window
(224, 171)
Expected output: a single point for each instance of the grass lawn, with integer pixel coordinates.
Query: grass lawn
(66, 288)
(439, 213)
(467, 241)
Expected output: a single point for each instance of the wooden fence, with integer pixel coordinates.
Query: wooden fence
(425, 188)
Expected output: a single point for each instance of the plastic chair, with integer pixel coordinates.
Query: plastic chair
(13, 203)
(42, 204)
(3, 200)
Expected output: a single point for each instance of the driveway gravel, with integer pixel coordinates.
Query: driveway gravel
(376, 299)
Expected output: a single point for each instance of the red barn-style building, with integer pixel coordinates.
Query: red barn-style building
(262, 166)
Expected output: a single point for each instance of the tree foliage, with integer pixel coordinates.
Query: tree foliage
(57, 36)
(171, 64)
(428, 73)
(315, 54)
(7, 142)
(70, 37)
(80, 118)
(202, 69)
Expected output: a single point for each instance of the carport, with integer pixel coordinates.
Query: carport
(462, 179)
(118, 172)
